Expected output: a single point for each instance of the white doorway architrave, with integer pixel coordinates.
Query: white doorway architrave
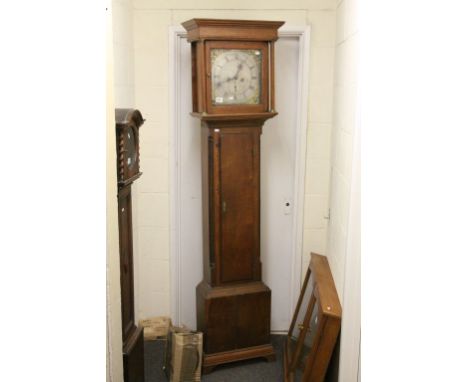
(177, 37)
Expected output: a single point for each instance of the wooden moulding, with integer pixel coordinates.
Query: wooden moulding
(233, 289)
(204, 117)
(123, 183)
(217, 29)
(210, 361)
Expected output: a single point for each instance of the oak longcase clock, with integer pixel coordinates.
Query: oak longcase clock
(233, 95)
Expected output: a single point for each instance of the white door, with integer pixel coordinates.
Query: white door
(277, 189)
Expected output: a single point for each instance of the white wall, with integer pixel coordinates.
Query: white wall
(114, 365)
(151, 22)
(344, 228)
(344, 116)
(122, 27)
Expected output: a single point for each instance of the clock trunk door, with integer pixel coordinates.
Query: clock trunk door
(126, 261)
(240, 234)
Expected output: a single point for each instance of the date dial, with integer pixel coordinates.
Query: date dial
(235, 76)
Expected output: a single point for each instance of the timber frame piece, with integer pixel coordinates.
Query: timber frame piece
(315, 326)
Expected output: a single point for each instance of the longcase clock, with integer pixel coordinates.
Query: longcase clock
(233, 95)
(128, 122)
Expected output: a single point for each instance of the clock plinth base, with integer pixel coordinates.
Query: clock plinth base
(235, 321)
(210, 361)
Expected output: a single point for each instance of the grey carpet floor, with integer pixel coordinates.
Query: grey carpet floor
(254, 370)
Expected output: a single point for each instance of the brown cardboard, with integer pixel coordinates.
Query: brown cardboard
(156, 327)
(184, 355)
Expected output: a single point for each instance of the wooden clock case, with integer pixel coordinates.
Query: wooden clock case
(233, 304)
(128, 122)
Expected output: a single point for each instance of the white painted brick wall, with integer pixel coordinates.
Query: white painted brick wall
(344, 113)
(122, 28)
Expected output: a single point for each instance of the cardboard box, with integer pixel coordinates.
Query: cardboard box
(184, 355)
(156, 327)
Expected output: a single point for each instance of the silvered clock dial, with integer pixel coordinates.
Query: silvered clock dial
(236, 76)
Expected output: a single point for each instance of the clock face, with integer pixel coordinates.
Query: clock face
(130, 149)
(236, 76)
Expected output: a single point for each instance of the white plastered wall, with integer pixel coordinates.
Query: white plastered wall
(151, 23)
(114, 365)
(344, 116)
(122, 26)
(343, 248)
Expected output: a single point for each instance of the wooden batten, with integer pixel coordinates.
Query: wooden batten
(325, 327)
(322, 275)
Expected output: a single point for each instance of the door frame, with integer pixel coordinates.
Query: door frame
(177, 36)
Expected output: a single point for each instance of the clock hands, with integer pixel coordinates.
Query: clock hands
(229, 79)
(232, 77)
(236, 77)
(239, 68)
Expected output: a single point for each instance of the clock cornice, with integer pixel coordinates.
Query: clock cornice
(205, 117)
(226, 29)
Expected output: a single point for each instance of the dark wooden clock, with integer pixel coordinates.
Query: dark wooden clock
(128, 122)
(233, 95)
